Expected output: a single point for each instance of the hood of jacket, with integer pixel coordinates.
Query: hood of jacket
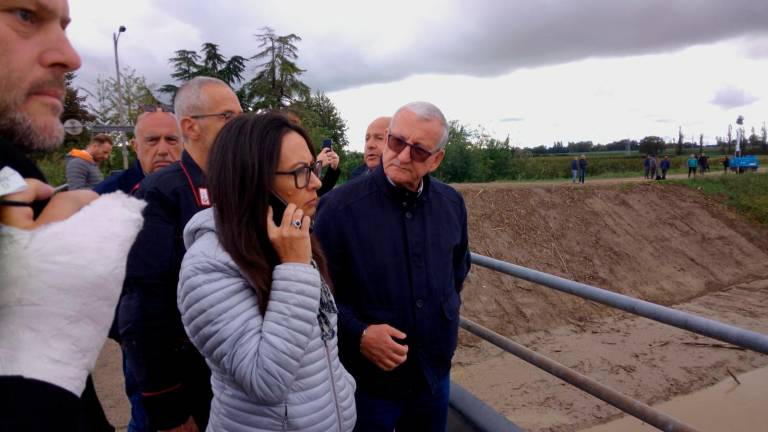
(81, 154)
(200, 224)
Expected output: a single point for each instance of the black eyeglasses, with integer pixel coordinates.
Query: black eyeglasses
(302, 174)
(418, 153)
(227, 115)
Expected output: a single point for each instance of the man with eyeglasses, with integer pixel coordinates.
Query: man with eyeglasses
(172, 376)
(397, 250)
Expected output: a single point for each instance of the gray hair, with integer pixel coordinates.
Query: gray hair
(190, 99)
(426, 111)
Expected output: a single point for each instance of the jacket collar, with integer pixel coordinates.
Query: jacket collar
(195, 180)
(399, 194)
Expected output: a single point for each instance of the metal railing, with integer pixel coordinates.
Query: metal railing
(687, 321)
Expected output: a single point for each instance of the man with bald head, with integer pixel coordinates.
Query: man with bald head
(398, 284)
(157, 143)
(172, 376)
(375, 137)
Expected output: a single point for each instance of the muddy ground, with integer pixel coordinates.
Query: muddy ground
(665, 244)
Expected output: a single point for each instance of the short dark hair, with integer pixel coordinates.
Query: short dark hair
(241, 170)
(100, 139)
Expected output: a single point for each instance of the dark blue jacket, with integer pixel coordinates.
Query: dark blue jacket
(582, 164)
(646, 163)
(575, 165)
(125, 181)
(150, 326)
(665, 164)
(399, 259)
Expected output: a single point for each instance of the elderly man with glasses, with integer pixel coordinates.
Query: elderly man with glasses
(397, 250)
(172, 376)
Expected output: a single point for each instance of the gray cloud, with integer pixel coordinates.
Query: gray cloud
(511, 119)
(483, 38)
(732, 97)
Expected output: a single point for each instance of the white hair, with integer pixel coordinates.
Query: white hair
(426, 111)
(190, 99)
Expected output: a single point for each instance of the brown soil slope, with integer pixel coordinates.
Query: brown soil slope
(663, 244)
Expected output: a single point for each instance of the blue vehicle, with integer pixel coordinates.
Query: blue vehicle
(743, 163)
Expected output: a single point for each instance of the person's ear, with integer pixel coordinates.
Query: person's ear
(437, 158)
(190, 129)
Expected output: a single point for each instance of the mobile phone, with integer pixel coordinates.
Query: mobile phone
(278, 208)
(327, 143)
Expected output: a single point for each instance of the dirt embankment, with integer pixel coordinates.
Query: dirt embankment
(665, 244)
(662, 244)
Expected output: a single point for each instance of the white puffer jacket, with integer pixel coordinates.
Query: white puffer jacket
(272, 372)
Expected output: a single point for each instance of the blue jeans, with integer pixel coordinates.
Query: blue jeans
(139, 421)
(423, 411)
(574, 174)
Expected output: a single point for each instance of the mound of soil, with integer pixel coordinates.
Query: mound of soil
(665, 244)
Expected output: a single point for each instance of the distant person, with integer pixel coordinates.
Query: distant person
(254, 291)
(582, 168)
(647, 167)
(397, 249)
(375, 138)
(706, 163)
(693, 163)
(327, 157)
(664, 167)
(652, 173)
(702, 163)
(83, 165)
(574, 169)
(726, 164)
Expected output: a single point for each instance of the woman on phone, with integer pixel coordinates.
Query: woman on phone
(253, 290)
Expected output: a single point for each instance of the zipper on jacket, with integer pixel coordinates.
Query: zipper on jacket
(285, 419)
(333, 385)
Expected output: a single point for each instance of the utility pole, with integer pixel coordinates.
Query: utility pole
(120, 104)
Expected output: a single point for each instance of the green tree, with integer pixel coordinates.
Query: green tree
(75, 107)
(188, 64)
(136, 94)
(322, 120)
(276, 83)
(652, 145)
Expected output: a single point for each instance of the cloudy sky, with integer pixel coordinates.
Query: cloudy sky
(536, 71)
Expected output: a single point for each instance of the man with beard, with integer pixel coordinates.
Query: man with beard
(54, 318)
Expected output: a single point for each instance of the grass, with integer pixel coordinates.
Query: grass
(746, 193)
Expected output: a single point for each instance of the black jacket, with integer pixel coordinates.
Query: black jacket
(149, 322)
(400, 259)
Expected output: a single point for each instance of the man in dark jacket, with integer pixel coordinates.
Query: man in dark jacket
(157, 143)
(664, 167)
(397, 250)
(82, 171)
(375, 137)
(172, 376)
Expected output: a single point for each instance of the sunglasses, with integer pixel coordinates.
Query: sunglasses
(418, 153)
(302, 174)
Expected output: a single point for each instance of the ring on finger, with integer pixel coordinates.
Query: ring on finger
(296, 223)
